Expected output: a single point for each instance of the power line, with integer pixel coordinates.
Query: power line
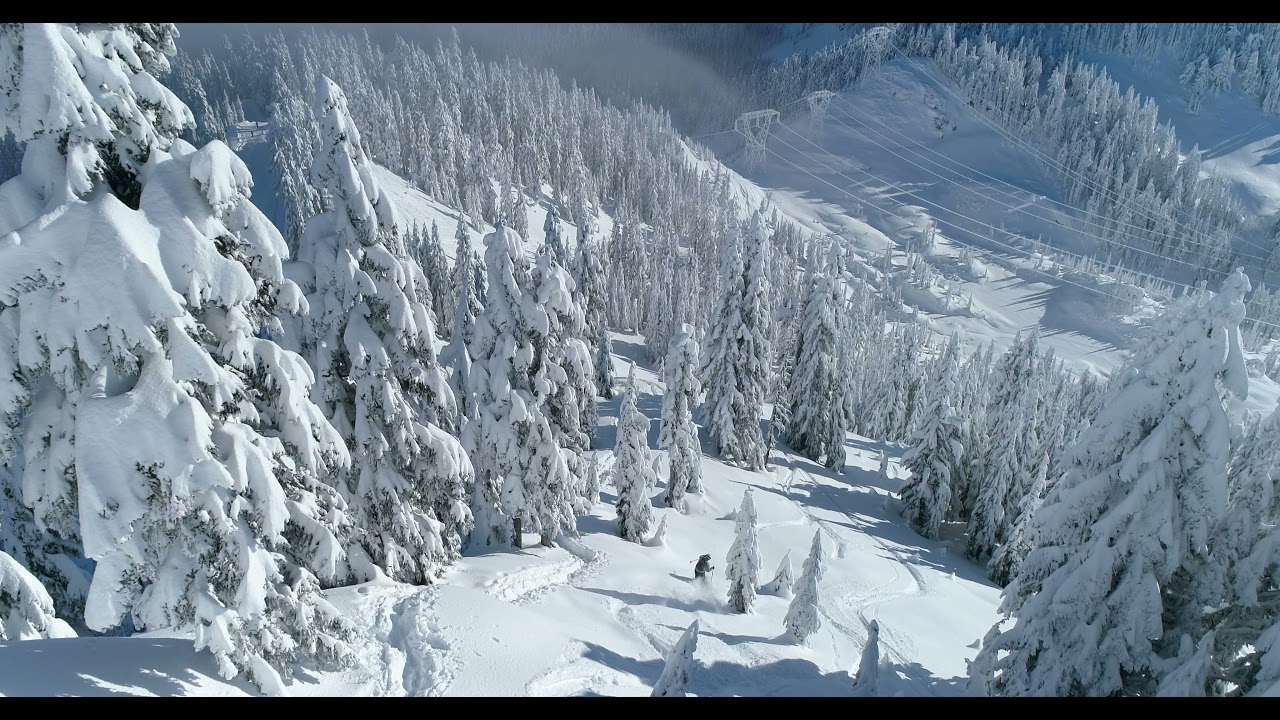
(959, 214)
(947, 223)
(722, 132)
(1120, 201)
(991, 239)
(1021, 209)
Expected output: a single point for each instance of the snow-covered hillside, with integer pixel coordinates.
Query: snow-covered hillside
(899, 151)
(598, 615)
(311, 439)
(1237, 140)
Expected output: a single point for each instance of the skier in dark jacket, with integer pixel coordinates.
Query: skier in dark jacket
(703, 568)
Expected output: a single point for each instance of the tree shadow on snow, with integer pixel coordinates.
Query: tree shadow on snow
(631, 598)
(731, 639)
(631, 352)
(78, 667)
(914, 680)
(647, 670)
(606, 435)
(794, 677)
(789, 677)
(593, 524)
(866, 513)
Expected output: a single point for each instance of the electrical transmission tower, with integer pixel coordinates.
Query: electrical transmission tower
(818, 102)
(754, 126)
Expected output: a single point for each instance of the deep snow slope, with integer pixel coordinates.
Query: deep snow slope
(596, 615)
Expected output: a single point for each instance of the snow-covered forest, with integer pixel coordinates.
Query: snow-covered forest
(858, 360)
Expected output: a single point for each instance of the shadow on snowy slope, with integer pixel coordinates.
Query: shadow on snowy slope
(793, 677)
(631, 353)
(632, 598)
(731, 639)
(134, 666)
(859, 496)
(594, 524)
(647, 670)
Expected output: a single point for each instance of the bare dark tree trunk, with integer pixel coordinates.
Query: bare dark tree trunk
(546, 540)
(517, 537)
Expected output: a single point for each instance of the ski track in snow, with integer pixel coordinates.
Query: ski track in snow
(898, 645)
(404, 646)
(526, 584)
(580, 674)
(531, 584)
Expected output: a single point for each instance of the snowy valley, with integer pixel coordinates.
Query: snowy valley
(926, 391)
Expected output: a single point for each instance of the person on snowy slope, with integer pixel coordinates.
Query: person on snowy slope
(703, 568)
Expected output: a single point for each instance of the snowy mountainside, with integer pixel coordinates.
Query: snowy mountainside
(1238, 141)
(603, 593)
(1010, 293)
(412, 205)
(826, 187)
(598, 615)
(899, 151)
(807, 38)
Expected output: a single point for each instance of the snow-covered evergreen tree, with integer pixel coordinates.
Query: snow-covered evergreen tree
(736, 368)
(518, 212)
(187, 453)
(679, 435)
(1232, 595)
(1008, 468)
(575, 352)
(571, 403)
(1144, 488)
(757, 352)
(591, 491)
(1004, 564)
(429, 254)
(552, 238)
(468, 284)
(987, 520)
(780, 585)
(659, 537)
(589, 277)
(371, 338)
(868, 675)
(742, 566)
(470, 272)
(26, 610)
(604, 365)
(632, 472)
(521, 471)
(815, 425)
(802, 619)
(293, 139)
(680, 663)
(932, 459)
